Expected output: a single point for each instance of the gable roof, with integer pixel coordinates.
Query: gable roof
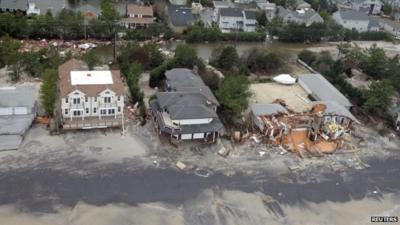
(373, 22)
(140, 9)
(221, 4)
(250, 15)
(322, 89)
(180, 112)
(182, 77)
(231, 12)
(66, 87)
(184, 105)
(180, 15)
(185, 80)
(353, 15)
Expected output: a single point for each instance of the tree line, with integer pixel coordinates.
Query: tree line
(384, 71)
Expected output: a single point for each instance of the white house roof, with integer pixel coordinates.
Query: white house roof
(91, 77)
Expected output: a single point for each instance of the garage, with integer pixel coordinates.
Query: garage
(186, 136)
(198, 135)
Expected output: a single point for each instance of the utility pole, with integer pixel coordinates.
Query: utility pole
(114, 46)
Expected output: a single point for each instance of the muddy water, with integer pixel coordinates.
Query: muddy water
(205, 50)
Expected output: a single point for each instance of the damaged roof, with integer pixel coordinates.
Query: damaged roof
(334, 108)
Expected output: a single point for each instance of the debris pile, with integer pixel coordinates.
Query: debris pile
(321, 130)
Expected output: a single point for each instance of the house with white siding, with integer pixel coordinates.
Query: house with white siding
(137, 16)
(367, 6)
(235, 19)
(305, 16)
(356, 20)
(391, 26)
(268, 7)
(186, 109)
(220, 5)
(249, 21)
(88, 98)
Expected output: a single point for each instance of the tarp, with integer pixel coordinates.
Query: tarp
(285, 79)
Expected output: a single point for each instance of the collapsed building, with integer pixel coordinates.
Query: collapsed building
(322, 128)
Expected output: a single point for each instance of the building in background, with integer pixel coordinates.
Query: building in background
(236, 19)
(14, 6)
(356, 20)
(138, 16)
(306, 16)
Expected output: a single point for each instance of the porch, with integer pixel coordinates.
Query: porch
(92, 122)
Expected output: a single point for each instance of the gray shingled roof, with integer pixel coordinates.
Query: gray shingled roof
(221, 3)
(322, 89)
(353, 15)
(250, 15)
(182, 112)
(214, 126)
(14, 4)
(231, 12)
(182, 77)
(373, 21)
(267, 109)
(180, 16)
(167, 99)
(185, 80)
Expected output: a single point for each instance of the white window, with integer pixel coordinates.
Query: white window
(66, 100)
(86, 99)
(66, 112)
(95, 98)
(77, 113)
(77, 100)
(103, 112)
(94, 110)
(119, 109)
(111, 111)
(107, 99)
(87, 110)
(119, 98)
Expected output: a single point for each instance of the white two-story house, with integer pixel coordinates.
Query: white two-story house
(235, 19)
(137, 16)
(90, 99)
(356, 20)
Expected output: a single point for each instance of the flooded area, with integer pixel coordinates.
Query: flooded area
(103, 177)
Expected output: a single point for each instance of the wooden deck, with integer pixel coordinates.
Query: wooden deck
(92, 122)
